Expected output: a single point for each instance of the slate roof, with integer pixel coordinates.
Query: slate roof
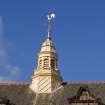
(43, 99)
(69, 90)
(17, 93)
(21, 94)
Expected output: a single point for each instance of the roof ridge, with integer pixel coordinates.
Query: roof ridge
(87, 83)
(15, 83)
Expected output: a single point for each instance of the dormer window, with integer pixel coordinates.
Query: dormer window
(83, 97)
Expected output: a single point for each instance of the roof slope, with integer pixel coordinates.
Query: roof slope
(69, 90)
(17, 93)
(21, 94)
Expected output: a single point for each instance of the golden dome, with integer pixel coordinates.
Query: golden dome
(48, 46)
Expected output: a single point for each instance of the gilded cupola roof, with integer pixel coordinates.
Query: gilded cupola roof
(48, 46)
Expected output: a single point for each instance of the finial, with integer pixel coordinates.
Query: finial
(50, 17)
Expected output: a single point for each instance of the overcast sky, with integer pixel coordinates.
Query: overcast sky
(78, 32)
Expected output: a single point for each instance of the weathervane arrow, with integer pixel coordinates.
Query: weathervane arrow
(50, 17)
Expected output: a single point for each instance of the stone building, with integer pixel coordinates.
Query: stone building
(47, 86)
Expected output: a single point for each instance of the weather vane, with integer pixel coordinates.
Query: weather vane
(50, 17)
